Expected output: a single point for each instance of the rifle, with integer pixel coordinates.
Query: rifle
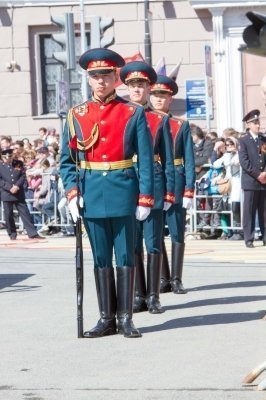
(79, 260)
(79, 277)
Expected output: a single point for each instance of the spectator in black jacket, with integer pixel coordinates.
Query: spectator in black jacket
(202, 150)
(203, 147)
(12, 181)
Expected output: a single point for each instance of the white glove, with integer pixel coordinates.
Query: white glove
(166, 205)
(187, 203)
(73, 207)
(142, 212)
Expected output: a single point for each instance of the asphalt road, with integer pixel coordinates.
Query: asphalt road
(201, 348)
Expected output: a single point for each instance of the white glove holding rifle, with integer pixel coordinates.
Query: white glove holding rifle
(166, 205)
(73, 207)
(142, 213)
(187, 203)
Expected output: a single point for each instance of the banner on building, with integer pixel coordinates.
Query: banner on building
(196, 99)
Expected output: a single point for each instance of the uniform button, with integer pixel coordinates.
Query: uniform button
(104, 173)
(131, 108)
(159, 116)
(104, 156)
(102, 122)
(102, 107)
(103, 139)
(12, 175)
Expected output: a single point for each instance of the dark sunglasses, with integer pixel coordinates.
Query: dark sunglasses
(6, 155)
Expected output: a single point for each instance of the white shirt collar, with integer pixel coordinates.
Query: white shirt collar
(253, 135)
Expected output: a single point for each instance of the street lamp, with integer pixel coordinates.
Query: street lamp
(83, 47)
(147, 37)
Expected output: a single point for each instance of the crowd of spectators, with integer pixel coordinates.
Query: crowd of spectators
(218, 182)
(216, 157)
(44, 191)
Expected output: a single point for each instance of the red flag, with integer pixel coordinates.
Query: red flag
(136, 57)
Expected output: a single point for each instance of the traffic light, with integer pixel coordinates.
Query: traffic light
(105, 23)
(66, 38)
(255, 35)
(98, 27)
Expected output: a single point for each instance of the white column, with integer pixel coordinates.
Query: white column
(234, 79)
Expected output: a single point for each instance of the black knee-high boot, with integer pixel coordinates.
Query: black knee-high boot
(140, 285)
(165, 285)
(178, 250)
(154, 267)
(125, 294)
(105, 287)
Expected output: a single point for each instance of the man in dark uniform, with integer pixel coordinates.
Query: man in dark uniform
(161, 98)
(252, 157)
(139, 77)
(102, 135)
(12, 180)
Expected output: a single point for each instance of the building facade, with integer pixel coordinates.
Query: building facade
(179, 31)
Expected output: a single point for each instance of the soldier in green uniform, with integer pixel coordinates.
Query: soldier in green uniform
(139, 76)
(104, 133)
(161, 98)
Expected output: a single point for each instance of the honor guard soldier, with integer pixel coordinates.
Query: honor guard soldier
(161, 98)
(12, 182)
(252, 157)
(139, 76)
(100, 138)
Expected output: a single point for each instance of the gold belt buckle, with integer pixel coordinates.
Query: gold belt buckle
(106, 166)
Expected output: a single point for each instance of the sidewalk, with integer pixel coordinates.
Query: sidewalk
(201, 348)
(220, 251)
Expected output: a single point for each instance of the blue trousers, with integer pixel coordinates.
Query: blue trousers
(152, 229)
(112, 234)
(23, 212)
(254, 201)
(176, 221)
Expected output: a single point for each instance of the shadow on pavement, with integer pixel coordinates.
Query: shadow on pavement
(229, 285)
(203, 320)
(216, 301)
(11, 280)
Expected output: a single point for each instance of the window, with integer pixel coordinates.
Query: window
(52, 71)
